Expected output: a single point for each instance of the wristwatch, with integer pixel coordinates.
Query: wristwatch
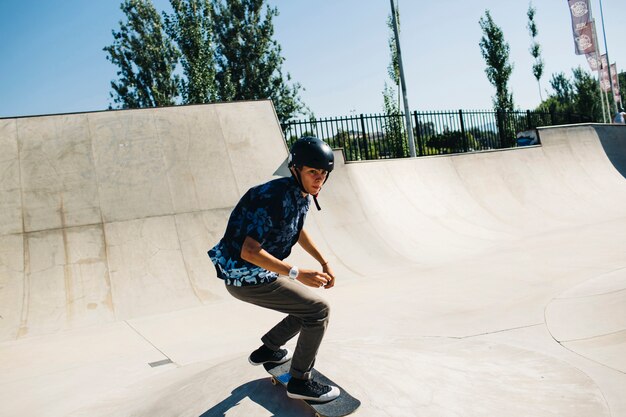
(293, 273)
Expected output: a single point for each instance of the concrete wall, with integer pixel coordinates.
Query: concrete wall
(107, 216)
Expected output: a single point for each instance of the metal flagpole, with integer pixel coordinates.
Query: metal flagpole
(608, 106)
(598, 59)
(604, 110)
(605, 107)
(608, 61)
(407, 115)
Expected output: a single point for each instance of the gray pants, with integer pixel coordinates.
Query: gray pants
(307, 314)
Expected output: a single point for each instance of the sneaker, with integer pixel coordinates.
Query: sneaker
(266, 355)
(311, 390)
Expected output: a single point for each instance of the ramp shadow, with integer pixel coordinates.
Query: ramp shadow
(261, 391)
(613, 140)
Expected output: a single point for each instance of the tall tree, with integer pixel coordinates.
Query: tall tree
(535, 48)
(249, 60)
(393, 69)
(560, 102)
(563, 88)
(577, 96)
(190, 26)
(394, 129)
(495, 51)
(587, 95)
(225, 47)
(146, 59)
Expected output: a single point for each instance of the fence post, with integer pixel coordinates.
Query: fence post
(500, 128)
(365, 141)
(528, 123)
(420, 145)
(465, 141)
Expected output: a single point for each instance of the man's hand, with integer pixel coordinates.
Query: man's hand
(328, 271)
(315, 279)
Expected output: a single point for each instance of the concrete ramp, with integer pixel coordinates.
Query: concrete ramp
(103, 211)
(477, 284)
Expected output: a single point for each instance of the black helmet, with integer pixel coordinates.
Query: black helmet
(313, 153)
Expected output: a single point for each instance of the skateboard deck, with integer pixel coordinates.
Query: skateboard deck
(341, 406)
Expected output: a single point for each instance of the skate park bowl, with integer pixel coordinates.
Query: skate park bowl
(483, 284)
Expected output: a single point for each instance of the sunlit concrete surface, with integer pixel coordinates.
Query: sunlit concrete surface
(489, 284)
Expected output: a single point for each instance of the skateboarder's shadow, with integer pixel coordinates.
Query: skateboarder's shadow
(261, 391)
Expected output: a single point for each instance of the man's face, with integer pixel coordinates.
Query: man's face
(312, 179)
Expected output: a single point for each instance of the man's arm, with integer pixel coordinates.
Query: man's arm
(307, 244)
(253, 252)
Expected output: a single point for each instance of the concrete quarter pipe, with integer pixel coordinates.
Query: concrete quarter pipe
(469, 285)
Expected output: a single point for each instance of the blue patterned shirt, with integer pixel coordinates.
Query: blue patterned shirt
(272, 214)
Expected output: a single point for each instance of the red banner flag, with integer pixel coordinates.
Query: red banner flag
(614, 75)
(594, 62)
(579, 10)
(614, 78)
(582, 26)
(604, 79)
(604, 63)
(605, 84)
(584, 39)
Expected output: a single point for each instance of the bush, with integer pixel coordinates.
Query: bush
(452, 141)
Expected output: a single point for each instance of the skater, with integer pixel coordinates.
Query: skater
(262, 229)
(620, 117)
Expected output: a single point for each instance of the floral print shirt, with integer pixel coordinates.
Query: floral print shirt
(272, 214)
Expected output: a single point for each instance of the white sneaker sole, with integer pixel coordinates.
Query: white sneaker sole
(329, 396)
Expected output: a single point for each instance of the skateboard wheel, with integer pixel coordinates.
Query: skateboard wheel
(274, 382)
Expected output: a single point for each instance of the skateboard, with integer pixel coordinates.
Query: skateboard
(341, 406)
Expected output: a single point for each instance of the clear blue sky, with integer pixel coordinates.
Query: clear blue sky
(52, 58)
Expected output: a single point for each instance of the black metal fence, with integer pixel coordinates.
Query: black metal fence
(382, 136)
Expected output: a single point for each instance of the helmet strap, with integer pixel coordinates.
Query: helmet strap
(315, 196)
(316, 203)
(296, 174)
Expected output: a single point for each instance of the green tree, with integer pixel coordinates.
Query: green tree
(393, 126)
(587, 95)
(146, 59)
(578, 96)
(535, 48)
(453, 141)
(563, 88)
(190, 26)
(249, 60)
(349, 142)
(561, 101)
(393, 69)
(495, 51)
(225, 47)
(394, 129)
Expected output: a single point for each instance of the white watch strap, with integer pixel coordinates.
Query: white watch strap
(293, 272)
